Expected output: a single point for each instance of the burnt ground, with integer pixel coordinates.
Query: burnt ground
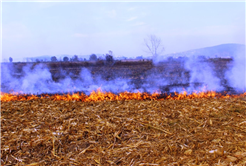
(138, 72)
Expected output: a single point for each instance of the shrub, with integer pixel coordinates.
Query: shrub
(65, 59)
(10, 59)
(53, 59)
(93, 57)
(75, 58)
(109, 58)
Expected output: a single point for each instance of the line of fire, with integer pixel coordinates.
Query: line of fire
(143, 79)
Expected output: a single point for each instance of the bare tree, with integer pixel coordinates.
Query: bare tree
(154, 45)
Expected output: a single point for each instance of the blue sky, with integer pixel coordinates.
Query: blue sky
(31, 29)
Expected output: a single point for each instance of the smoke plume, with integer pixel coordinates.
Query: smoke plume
(169, 75)
(236, 75)
(39, 80)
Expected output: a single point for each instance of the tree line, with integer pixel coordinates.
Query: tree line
(93, 57)
(152, 43)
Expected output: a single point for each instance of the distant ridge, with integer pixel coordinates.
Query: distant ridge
(223, 51)
(228, 50)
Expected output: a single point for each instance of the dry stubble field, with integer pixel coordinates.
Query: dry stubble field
(205, 131)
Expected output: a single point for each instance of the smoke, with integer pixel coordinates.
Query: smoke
(169, 75)
(182, 74)
(38, 80)
(236, 75)
(202, 76)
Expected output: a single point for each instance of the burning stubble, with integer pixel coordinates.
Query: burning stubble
(189, 74)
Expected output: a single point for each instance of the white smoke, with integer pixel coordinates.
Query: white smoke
(236, 75)
(202, 72)
(38, 79)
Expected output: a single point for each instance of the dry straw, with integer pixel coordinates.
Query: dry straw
(200, 131)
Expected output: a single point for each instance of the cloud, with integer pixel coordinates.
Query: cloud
(132, 18)
(80, 35)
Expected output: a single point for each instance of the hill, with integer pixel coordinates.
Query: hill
(223, 51)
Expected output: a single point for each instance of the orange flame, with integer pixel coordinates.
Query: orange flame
(108, 96)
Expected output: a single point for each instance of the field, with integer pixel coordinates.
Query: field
(126, 128)
(199, 131)
(137, 73)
